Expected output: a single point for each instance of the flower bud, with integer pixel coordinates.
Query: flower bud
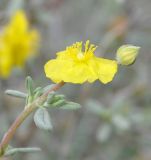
(126, 54)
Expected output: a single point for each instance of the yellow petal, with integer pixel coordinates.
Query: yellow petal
(77, 66)
(104, 68)
(54, 69)
(79, 73)
(68, 71)
(19, 21)
(63, 55)
(5, 61)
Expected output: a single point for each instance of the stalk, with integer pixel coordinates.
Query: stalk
(23, 115)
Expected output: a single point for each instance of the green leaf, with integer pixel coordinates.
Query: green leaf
(53, 99)
(42, 119)
(38, 89)
(50, 97)
(15, 93)
(59, 103)
(71, 105)
(104, 132)
(29, 86)
(95, 107)
(60, 96)
(121, 122)
(37, 92)
(13, 151)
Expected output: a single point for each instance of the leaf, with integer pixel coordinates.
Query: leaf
(59, 103)
(38, 94)
(60, 96)
(29, 86)
(56, 104)
(104, 133)
(71, 105)
(15, 93)
(54, 98)
(95, 107)
(13, 151)
(38, 89)
(42, 119)
(121, 123)
(50, 97)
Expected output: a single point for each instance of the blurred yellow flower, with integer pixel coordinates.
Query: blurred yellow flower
(77, 66)
(5, 60)
(17, 43)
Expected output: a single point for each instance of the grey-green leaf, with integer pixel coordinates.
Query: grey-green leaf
(13, 151)
(71, 105)
(38, 89)
(42, 119)
(59, 103)
(95, 107)
(37, 94)
(50, 97)
(29, 86)
(15, 93)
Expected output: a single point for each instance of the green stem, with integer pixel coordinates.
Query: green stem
(24, 114)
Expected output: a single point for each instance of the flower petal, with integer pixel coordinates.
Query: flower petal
(5, 60)
(63, 55)
(54, 69)
(77, 66)
(68, 71)
(79, 74)
(104, 68)
(19, 18)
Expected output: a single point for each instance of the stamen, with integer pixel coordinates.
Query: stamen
(87, 46)
(80, 55)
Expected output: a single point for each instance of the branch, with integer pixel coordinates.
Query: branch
(23, 115)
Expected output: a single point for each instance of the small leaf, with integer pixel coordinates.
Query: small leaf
(50, 97)
(15, 93)
(71, 105)
(104, 133)
(37, 94)
(13, 151)
(42, 119)
(95, 107)
(53, 99)
(29, 86)
(121, 123)
(59, 103)
(60, 96)
(38, 89)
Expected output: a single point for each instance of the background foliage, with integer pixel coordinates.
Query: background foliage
(115, 120)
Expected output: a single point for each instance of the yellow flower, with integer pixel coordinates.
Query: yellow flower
(77, 66)
(5, 60)
(17, 43)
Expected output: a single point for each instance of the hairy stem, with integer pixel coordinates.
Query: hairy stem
(23, 115)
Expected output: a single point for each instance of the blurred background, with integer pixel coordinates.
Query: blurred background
(114, 122)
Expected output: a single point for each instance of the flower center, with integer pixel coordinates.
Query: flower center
(80, 56)
(77, 52)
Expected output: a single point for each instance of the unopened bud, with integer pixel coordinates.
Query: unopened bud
(126, 54)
